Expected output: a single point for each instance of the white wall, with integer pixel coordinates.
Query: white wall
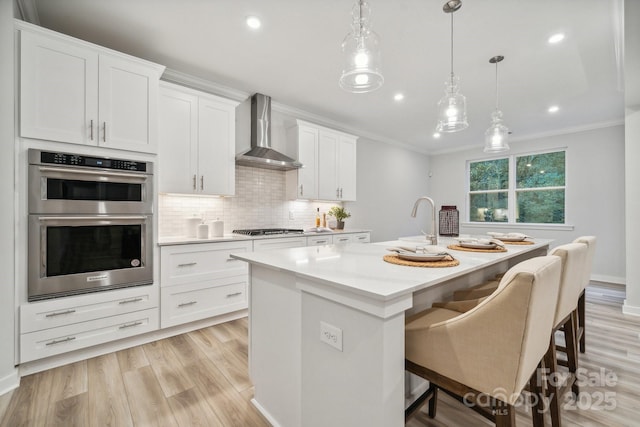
(8, 374)
(632, 153)
(595, 191)
(389, 179)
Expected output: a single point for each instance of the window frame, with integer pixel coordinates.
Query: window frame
(512, 190)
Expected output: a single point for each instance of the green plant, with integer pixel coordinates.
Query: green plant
(339, 213)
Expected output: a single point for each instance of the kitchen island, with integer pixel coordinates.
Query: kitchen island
(326, 327)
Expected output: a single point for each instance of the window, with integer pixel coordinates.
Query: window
(518, 189)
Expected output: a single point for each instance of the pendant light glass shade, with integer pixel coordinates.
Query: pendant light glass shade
(496, 138)
(362, 70)
(452, 107)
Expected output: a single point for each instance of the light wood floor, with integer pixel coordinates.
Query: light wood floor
(201, 379)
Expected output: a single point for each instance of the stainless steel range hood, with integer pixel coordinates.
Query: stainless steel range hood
(261, 155)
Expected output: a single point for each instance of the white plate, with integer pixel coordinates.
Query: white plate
(421, 257)
(478, 245)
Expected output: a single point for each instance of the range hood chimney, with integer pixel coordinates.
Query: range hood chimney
(261, 155)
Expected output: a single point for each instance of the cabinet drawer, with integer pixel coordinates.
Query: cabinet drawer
(40, 344)
(183, 264)
(187, 303)
(279, 243)
(36, 316)
(319, 240)
(361, 237)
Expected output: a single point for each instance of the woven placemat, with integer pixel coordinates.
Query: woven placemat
(394, 259)
(523, 242)
(461, 248)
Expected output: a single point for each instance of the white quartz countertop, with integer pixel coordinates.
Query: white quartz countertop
(184, 240)
(359, 268)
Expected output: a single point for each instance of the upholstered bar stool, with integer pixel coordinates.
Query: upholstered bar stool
(493, 349)
(590, 241)
(573, 259)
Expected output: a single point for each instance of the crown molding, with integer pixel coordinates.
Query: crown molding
(28, 11)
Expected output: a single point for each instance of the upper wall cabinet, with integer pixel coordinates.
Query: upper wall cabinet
(197, 142)
(76, 92)
(329, 159)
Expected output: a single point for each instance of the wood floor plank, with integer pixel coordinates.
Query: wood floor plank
(131, 359)
(185, 348)
(72, 411)
(167, 368)
(191, 409)
(107, 397)
(229, 406)
(147, 403)
(69, 380)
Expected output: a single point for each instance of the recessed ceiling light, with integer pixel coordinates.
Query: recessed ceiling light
(398, 97)
(553, 109)
(556, 38)
(436, 135)
(253, 22)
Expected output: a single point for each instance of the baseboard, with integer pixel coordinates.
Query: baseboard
(10, 382)
(630, 309)
(615, 280)
(265, 413)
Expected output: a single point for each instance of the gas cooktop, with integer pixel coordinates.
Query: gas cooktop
(267, 231)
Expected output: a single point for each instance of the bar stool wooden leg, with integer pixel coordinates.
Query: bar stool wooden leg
(505, 415)
(552, 385)
(572, 352)
(537, 406)
(581, 322)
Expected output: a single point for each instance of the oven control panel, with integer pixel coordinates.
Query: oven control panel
(48, 157)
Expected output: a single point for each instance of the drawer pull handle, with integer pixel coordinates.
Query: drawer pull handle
(362, 238)
(54, 342)
(232, 259)
(321, 241)
(60, 313)
(186, 304)
(187, 264)
(235, 294)
(130, 325)
(127, 301)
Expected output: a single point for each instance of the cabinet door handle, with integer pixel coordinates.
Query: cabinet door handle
(235, 294)
(130, 325)
(187, 304)
(54, 342)
(341, 192)
(60, 313)
(202, 183)
(337, 192)
(301, 187)
(91, 130)
(127, 301)
(194, 183)
(104, 132)
(187, 264)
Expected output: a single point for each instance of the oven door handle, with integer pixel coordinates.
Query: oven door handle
(94, 218)
(60, 173)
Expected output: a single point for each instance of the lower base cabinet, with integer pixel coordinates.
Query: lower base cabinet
(195, 301)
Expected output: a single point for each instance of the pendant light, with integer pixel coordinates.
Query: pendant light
(496, 138)
(361, 49)
(452, 108)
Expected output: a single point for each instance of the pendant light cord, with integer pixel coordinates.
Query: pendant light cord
(496, 85)
(452, 48)
(360, 17)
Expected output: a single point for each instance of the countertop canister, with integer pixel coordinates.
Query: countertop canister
(217, 228)
(192, 225)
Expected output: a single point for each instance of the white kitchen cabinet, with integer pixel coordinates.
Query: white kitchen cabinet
(197, 142)
(303, 183)
(76, 92)
(336, 167)
(60, 325)
(201, 280)
(329, 159)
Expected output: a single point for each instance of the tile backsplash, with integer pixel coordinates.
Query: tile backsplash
(260, 202)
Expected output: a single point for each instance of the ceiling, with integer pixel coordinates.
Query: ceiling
(295, 58)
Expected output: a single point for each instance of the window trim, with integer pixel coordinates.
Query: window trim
(511, 193)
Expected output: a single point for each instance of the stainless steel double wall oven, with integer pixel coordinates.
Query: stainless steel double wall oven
(90, 224)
